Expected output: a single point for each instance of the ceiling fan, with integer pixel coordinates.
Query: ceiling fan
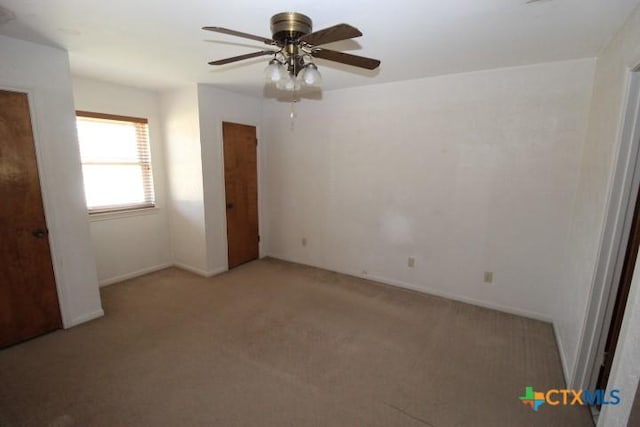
(294, 46)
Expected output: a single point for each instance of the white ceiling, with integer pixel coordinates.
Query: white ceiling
(158, 44)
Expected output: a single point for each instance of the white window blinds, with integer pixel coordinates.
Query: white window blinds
(116, 162)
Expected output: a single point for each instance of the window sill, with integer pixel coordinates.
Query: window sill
(107, 216)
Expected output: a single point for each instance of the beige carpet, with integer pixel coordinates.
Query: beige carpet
(278, 344)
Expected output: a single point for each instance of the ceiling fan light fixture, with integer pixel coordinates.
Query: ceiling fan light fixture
(297, 45)
(310, 75)
(275, 72)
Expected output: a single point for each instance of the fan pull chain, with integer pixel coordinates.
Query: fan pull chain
(292, 114)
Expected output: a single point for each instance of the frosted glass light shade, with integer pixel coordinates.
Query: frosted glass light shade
(274, 72)
(310, 75)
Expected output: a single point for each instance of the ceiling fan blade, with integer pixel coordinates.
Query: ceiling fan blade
(240, 34)
(347, 58)
(241, 57)
(331, 34)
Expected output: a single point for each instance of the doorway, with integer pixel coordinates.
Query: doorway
(621, 296)
(28, 296)
(618, 252)
(241, 192)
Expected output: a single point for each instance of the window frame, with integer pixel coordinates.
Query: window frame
(146, 165)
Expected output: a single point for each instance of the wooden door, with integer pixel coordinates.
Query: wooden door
(28, 298)
(241, 190)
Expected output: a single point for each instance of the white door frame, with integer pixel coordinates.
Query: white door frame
(621, 204)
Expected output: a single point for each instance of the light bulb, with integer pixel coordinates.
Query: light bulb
(310, 75)
(275, 72)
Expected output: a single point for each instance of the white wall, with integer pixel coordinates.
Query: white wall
(467, 173)
(44, 72)
(216, 106)
(596, 179)
(184, 178)
(138, 242)
(595, 188)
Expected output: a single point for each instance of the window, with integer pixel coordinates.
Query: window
(116, 162)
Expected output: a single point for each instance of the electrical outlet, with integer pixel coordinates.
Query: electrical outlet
(411, 262)
(488, 277)
(304, 241)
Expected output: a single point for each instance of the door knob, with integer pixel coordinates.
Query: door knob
(229, 205)
(39, 233)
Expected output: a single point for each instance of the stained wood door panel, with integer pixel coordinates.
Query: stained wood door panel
(241, 192)
(28, 299)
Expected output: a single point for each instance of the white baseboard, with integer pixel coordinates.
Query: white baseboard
(563, 357)
(85, 318)
(480, 303)
(142, 272)
(432, 291)
(199, 271)
(131, 275)
(217, 271)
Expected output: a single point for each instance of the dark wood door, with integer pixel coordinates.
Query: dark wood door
(241, 190)
(28, 298)
(624, 287)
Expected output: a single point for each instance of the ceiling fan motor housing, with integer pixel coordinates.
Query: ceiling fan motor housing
(287, 27)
